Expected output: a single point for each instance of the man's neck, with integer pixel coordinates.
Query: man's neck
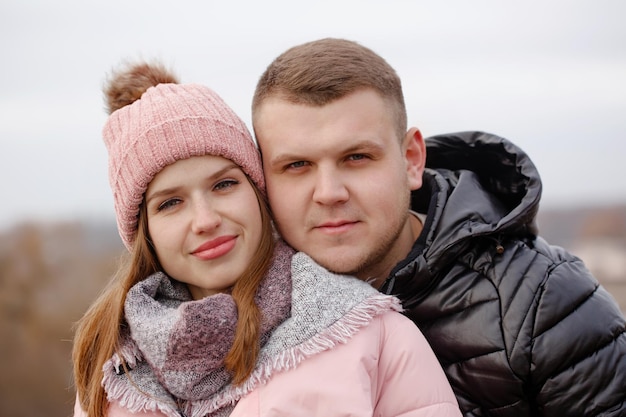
(416, 224)
(414, 230)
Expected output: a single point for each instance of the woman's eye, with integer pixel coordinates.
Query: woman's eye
(225, 184)
(168, 204)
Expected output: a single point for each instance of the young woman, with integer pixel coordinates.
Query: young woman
(212, 314)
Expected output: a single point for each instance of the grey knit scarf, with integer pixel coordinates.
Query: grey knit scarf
(176, 346)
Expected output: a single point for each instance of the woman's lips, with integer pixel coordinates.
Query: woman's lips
(215, 248)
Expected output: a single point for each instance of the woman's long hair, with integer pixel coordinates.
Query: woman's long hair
(97, 332)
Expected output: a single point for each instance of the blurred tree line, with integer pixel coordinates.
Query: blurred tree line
(48, 276)
(50, 273)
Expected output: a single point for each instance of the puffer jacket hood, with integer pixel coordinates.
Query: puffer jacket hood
(520, 327)
(502, 169)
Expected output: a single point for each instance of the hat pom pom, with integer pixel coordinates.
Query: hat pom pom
(127, 85)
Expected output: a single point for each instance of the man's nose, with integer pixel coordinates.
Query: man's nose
(330, 187)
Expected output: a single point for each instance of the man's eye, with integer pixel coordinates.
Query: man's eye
(356, 157)
(225, 184)
(297, 164)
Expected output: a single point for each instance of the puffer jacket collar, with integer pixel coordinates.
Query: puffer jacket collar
(475, 184)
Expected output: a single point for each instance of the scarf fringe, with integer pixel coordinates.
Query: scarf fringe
(120, 387)
(122, 390)
(130, 354)
(339, 332)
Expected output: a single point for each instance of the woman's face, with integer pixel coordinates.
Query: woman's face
(205, 222)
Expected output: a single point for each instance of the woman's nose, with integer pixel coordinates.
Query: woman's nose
(205, 217)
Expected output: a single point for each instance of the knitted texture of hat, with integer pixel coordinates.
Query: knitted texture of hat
(168, 123)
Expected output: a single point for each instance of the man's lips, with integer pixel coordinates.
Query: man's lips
(336, 227)
(215, 248)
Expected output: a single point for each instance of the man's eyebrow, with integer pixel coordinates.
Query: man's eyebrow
(282, 158)
(365, 145)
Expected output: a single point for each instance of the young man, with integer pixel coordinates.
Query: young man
(520, 327)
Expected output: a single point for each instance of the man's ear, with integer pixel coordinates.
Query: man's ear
(414, 151)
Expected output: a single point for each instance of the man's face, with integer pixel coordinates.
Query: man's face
(339, 180)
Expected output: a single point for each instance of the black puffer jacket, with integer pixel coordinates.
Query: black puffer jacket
(521, 327)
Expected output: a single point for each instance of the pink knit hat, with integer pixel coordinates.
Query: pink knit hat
(168, 123)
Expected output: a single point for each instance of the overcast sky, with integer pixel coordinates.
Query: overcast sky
(549, 75)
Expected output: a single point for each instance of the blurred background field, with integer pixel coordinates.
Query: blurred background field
(50, 272)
